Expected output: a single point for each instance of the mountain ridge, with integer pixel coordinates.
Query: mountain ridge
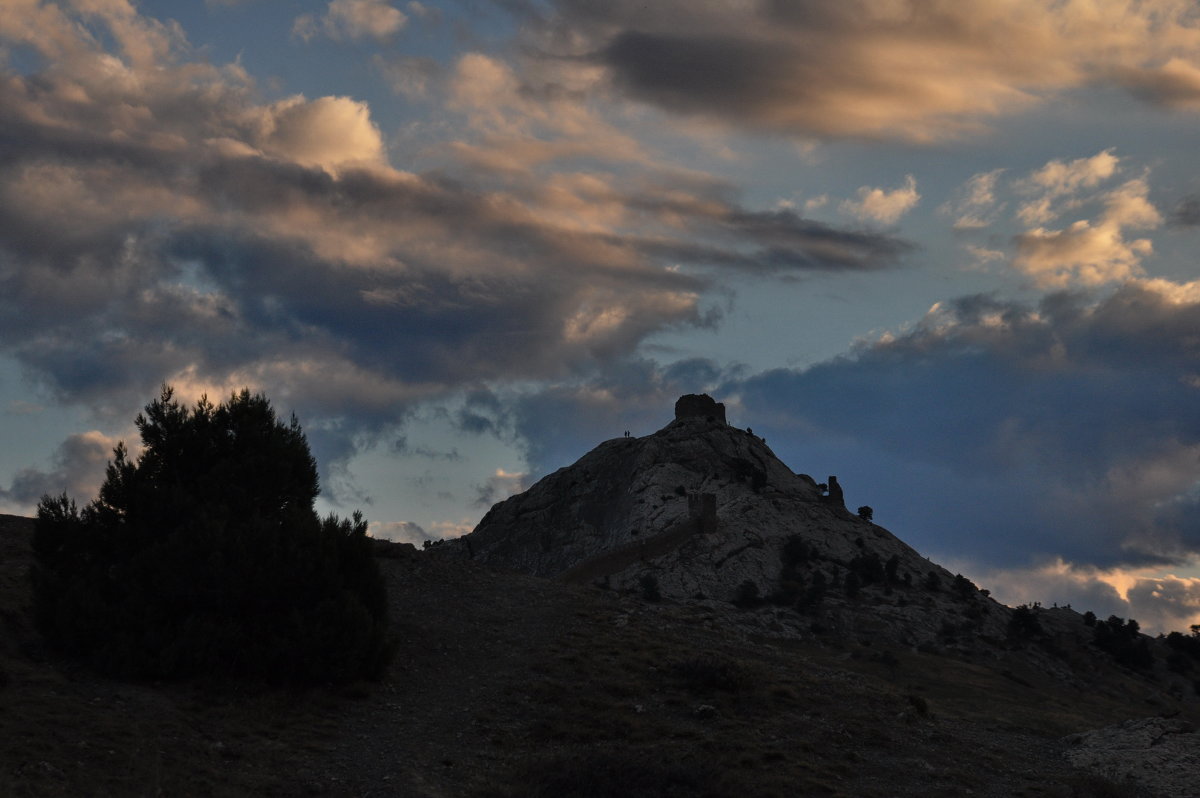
(706, 511)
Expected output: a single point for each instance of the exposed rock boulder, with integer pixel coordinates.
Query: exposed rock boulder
(1159, 754)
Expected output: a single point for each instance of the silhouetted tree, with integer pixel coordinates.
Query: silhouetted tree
(649, 585)
(866, 513)
(815, 593)
(205, 556)
(868, 568)
(890, 569)
(1121, 640)
(1024, 623)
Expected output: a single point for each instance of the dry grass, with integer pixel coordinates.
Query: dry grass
(508, 686)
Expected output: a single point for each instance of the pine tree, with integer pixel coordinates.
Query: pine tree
(205, 556)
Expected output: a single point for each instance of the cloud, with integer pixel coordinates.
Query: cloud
(559, 422)
(352, 20)
(160, 221)
(1160, 603)
(1058, 179)
(1029, 432)
(401, 446)
(1175, 84)
(1186, 213)
(77, 470)
(410, 76)
(329, 132)
(500, 486)
(877, 68)
(881, 205)
(1092, 254)
(975, 206)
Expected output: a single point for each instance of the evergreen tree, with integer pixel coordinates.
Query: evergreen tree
(205, 556)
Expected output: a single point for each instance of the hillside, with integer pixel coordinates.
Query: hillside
(510, 685)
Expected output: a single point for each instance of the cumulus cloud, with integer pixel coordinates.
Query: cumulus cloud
(881, 205)
(329, 132)
(1047, 450)
(1060, 429)
(77, 469)
(878, 68)
(352, 19)
(162, 222)
(1160, 603)
(1088, 253)
(1059, 179)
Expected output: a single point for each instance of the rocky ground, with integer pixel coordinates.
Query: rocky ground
(509, 685)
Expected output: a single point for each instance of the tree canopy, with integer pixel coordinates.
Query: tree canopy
(205, 555)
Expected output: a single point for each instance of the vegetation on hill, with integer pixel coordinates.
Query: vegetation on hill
(205, 556)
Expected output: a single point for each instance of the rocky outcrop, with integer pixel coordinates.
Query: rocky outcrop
(700, 405)
(707, 511)
(1158, 754)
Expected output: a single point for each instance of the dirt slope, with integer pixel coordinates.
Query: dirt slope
(509, 685)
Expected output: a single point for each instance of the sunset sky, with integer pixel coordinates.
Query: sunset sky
(945, 250)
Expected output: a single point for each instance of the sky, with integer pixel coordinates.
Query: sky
(943, 250)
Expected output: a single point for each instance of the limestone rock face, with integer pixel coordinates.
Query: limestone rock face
(1160, 754)
(702, 508)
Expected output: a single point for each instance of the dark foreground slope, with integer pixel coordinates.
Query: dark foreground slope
(515, 686)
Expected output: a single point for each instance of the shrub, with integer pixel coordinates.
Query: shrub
(708, 675)
(815, 593)
(868, 568)
(1188, 645)
(649, 585)
(205, 557)
(1121, 640)
(1024, 623)
(866, 513)
(796, 551)
(890, 569)
(788, 592)
(747, 595)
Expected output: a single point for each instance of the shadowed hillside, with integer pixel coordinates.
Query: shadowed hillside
(510, 685)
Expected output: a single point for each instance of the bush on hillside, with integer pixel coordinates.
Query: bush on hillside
(204, 556)
(747, 595)
(1024, 623)
(1122, 640)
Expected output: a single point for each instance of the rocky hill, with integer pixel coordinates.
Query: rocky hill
(510, 686)
(704, 511)
(694, 619)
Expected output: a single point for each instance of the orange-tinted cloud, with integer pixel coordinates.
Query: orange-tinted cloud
(880, 68)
